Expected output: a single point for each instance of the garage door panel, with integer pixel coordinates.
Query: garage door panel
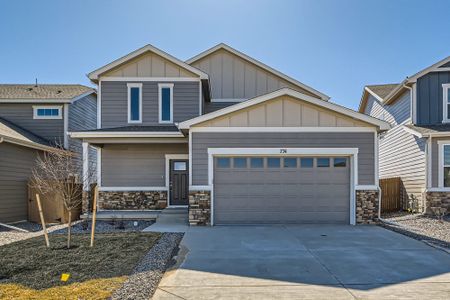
(271, 195)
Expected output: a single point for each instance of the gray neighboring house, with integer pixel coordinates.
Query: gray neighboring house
(417, 148)
(230, 138)
(36, 118)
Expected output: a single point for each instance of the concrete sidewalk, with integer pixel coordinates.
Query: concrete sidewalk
(170, 220)
(304, 262)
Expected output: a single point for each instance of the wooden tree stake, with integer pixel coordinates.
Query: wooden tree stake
(41, 215)
(94, 214)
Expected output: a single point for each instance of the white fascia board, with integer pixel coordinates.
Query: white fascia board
(286, 92)
(29, 144)
(123, 134)
(150, 79)
(412, 131)
(148, 48)
(432, 68)
(282, 129)
(373, 94)
(259, 64)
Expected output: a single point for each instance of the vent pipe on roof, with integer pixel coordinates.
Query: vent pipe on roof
(35, 85)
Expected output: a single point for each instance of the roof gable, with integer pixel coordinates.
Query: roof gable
(147, 61)
(379, 91)
(234, 62)
(328, 109)
(9, 132)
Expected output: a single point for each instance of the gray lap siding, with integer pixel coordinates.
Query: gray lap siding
(364, 141)
(136, 165)
(114, 102)
(21, 114)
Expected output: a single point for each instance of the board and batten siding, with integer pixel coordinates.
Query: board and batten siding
(83, 116)
(364, 141)
(232, 77)
(395, 113)
(114, 102)
(21, 114)
(136, 165)
(402, 154)
(430, 97)
(16, 163)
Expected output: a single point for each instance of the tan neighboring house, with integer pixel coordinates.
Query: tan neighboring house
(417, 147)
(36, 118)
(231, 139)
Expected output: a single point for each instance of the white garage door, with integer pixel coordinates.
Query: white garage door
(267, 190)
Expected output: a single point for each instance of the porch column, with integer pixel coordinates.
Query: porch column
(86, 183)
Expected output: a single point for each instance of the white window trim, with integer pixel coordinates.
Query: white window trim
(441, 165)
(36, 117)
(129, 86)
(351, 152)
(160, 87)
(445, 103)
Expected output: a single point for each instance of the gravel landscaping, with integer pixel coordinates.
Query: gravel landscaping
(418, 226)
(108, 226)
(8, 235)
(148, 273)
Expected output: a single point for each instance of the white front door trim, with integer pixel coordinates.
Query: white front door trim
(167, 174)
(351, 152)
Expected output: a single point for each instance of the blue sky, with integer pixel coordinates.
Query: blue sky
(336, 47)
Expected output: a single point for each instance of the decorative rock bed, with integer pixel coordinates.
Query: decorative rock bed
(146, 276)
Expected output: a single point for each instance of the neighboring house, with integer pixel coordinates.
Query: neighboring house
(35, 118)
(232, 139)
(417, 148)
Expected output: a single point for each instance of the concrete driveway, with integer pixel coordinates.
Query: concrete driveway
(305, 262)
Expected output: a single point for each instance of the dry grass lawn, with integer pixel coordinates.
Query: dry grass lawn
(28, 270)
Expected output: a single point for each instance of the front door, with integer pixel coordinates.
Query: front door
(179, 182)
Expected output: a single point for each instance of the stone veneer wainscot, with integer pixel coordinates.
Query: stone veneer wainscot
(367, 204)
(436, 199)
(133, 200)
(200, 208)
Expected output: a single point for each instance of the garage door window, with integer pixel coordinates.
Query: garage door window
(273, 162)
(290, 162)
(240, 162)
(256, 162)
(323, 162)
(306, 162)
(223, 162)
(340, 162)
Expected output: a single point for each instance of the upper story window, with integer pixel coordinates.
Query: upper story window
(446, 100)
(165, 102)
(47, 112)
(134, 102)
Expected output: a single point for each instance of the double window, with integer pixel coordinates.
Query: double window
(47, 112)
(134, 102)
(446, 101)
(165, 102)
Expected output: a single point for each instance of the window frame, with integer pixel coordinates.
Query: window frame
(441, 163)
(445, 102)
(37, 107)
(160, 87)
(129, 86)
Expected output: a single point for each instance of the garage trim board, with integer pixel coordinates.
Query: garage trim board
(352, 153)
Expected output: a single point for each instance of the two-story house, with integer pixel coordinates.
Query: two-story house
(231, 139)
(417, 148)
(36, 118)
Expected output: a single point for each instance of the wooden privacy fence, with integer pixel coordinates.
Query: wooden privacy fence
(391, 194)
(52, 207)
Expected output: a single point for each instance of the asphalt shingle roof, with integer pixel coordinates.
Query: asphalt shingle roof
(9, 130)
(382, 90)
(42, 91)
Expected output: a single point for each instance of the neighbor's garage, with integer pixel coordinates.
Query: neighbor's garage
(273, 189)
